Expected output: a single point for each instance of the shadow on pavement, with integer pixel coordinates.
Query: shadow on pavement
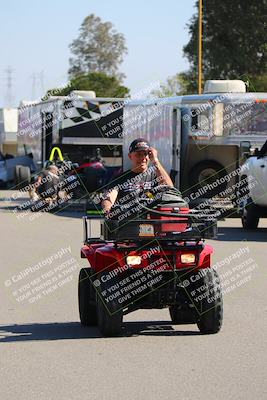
(236, 234)
(60, 213)
(8, 208)
(70, 214)
(156, 328)
(46, 331)
(74, 330)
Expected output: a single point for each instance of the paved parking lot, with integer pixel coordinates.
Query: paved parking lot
(46, 354)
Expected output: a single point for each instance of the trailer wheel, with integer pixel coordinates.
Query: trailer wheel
(87, 299)
(206, 173)
(211, 305)
(250, 216)
(109, 315)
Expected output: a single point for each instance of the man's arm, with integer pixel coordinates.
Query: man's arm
(163, 176)
(39, 179)
(109, 200)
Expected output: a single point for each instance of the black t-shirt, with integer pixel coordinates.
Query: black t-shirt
(131, 188)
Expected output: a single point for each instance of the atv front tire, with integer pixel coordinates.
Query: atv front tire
(210, 314)
(87, 299)
(182, 315)
(109, 314)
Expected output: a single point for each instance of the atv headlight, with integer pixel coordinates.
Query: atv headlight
(133, 260)
(188, 258)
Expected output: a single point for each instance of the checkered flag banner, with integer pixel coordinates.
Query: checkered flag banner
(76, 112)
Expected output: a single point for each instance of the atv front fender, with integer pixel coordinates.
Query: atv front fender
(205, 257)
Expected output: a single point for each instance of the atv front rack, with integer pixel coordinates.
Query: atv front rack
(188, 227)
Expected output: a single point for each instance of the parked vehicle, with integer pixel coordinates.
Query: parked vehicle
(157, 260)
(16, 170)
(253, 188)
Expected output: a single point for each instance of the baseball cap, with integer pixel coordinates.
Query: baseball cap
(139, 145)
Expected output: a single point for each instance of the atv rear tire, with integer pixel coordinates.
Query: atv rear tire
(211, 306)
(87, 299)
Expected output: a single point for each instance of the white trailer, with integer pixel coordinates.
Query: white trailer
(199, 137)
(77, 124)
(160, 125)
(9, 162)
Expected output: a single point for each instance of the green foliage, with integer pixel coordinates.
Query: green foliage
(103, 85)
(177, 85)
(257, 83)
(234, 42)
(98, 48)
(174, 86)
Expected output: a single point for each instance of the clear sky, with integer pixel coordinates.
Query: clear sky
(35, 36)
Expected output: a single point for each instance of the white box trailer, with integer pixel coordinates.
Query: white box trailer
(9, 162)
(8, 130)
(77, 124)
(199, 137)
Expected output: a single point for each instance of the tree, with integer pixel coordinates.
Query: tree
(103, 85)
(98, 48)
(234, 41)
(175, 85)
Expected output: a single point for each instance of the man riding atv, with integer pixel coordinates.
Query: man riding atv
(132, 184)
(151, 253)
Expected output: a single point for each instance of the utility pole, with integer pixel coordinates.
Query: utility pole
(9, 96)
(33, 78)
(200, 5)
(41, 80)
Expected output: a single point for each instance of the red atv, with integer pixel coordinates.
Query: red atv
(157, 259)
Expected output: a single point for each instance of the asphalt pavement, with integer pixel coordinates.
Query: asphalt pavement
(46, 354)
